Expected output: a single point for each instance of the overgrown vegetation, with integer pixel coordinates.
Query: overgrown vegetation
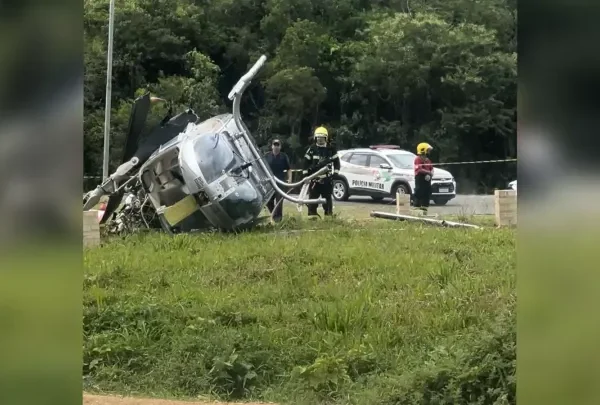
(377, 313)
(387, 71)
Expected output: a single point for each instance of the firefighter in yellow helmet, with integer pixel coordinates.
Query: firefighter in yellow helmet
(319, 154)
(423, 174)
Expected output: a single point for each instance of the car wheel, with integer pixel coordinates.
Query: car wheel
(340, 190)
(400, 188)
(440, 201)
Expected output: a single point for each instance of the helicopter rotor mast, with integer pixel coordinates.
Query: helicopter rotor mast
(236, 95)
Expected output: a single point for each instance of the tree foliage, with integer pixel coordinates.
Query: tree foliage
(393, 71)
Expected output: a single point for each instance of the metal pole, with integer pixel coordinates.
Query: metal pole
(111, 27)
(401, 217)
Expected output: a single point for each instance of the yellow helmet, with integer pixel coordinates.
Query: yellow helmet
(321, 135)
(423, 148)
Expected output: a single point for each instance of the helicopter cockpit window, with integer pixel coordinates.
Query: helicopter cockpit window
(214, 156)
(244, 204)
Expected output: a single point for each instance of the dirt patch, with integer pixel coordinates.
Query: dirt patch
(89, 399)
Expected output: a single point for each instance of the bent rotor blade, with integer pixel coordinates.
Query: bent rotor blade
(111, 206)
(163, 134)
(137, 122)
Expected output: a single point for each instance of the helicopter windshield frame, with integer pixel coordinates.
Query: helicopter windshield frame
(214, 156)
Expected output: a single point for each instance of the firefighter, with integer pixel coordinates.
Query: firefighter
(315, 157)
(423, 174)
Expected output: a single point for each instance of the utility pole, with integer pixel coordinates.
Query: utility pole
(111, 28)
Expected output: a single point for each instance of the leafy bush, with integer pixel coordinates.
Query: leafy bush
(481, 374)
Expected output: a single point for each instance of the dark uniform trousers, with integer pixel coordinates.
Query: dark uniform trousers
(323, 185)
(422, 191)
(279, 164)
(321, 188)
(276, 203)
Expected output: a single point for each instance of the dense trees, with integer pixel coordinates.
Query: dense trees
(378, 71)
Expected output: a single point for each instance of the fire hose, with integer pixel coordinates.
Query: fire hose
(304, 191)
(306, 183)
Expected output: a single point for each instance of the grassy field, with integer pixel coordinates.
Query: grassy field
(305, 312)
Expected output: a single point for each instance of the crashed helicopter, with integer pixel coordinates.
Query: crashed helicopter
(190, 176)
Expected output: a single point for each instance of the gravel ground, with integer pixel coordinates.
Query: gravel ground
(464, 205)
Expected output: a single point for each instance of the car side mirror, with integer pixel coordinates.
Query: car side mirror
(385, 166)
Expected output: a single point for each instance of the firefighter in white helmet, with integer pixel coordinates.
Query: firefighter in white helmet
(315, 156)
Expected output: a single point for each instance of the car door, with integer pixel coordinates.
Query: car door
(357, 171)
(381, 179)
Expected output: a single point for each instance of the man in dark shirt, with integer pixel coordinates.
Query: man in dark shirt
(279, 164)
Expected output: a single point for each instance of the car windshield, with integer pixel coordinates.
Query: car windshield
(402, 160)
(214, 155)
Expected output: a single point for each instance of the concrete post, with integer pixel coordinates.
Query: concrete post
(91, 229)
(402, 204)
(505, 202)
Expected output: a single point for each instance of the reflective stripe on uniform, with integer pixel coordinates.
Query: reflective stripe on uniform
(307, 156)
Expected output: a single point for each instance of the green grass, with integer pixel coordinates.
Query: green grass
(305, 312)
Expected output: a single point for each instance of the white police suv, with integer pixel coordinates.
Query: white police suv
(382, 170)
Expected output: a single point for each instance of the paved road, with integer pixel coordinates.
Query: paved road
(461, 205)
